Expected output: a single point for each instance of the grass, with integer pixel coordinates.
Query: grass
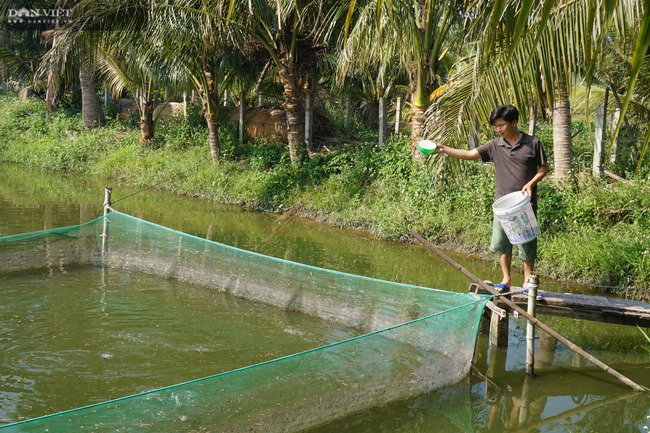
(593, 231)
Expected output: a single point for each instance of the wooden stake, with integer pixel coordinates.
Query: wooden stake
(383, 120)
(532, 282)
(107, 208)
(530, 318)
(242, 117)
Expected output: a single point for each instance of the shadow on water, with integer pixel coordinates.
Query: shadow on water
(566, 395)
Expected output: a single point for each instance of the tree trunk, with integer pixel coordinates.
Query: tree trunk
(51, 100)
(417, 129)
(51, 93)
(210, 101)
(293, 107)
(91, 110)
(213, 135)
(562, 146)
(422, 77)
(146, 123)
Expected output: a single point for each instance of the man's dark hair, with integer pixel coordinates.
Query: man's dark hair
(505, 112)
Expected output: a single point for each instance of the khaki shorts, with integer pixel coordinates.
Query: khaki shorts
(500, 243)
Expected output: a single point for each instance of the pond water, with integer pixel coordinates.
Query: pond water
(89, 335)
(567, 394)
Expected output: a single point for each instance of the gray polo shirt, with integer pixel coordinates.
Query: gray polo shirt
(514, 166)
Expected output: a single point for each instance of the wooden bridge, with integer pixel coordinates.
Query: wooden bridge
(573, 305)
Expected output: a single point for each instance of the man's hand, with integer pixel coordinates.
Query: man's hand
(543, 171)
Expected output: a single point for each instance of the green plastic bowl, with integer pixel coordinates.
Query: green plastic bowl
(427, 146)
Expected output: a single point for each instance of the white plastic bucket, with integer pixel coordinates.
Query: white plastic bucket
(517, 217)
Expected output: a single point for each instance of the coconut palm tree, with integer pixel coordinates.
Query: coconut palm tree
(19, 53)
(199, 40)
(369, 66)
(74, 59)
(22, 45)
(544, 44)
(416, 35)
(190, 37)
(295, 34)
(143, 76)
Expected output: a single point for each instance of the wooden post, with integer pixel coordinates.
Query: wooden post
(398, 115)
(615, 118)
(242, 117)
(348, 109)
(630, 131)
(532, 282)
(383, 121)
(475, 130)
(499, 330)
(107, 208)
(225, 98)
(185, 104)
(107, 199)
(598, 142)
(486, 319)
(309, 120)
(260, 99)
(532, 122)
(106, 97)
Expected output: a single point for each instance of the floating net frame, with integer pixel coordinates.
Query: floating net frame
(416, 339)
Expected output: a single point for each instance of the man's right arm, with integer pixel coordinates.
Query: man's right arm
(458, 153)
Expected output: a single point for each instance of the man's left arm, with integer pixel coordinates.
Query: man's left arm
(541, 173)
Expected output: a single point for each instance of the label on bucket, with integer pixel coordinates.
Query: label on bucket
(519, 228)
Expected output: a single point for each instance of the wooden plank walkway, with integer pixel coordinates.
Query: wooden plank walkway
(585, 307)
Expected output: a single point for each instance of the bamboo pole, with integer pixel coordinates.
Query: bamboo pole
(107, 208)
(614, 176)
(532, 282)
(532, 319)
(383, 120)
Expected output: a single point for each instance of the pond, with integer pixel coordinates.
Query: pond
(567, 394)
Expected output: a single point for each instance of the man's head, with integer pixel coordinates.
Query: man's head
(506, 112)
(504, 119)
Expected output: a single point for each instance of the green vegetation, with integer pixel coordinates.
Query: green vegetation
(647, 337)
(594, 230)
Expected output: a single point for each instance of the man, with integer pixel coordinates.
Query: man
(519, 165)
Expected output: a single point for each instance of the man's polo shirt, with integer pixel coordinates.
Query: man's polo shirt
(514, 166)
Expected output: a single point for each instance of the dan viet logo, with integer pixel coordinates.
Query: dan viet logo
(37, 16)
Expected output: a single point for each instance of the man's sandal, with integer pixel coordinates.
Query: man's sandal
(539, 296)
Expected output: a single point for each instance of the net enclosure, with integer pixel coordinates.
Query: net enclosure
(415, 339)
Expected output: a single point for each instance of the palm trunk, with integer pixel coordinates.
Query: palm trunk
(417, 129)
(293, 108)
(210, 101)
(213, 135)
(420, 96)
(146, 123)
(51, 101)
(562, 145)
(91, 110)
